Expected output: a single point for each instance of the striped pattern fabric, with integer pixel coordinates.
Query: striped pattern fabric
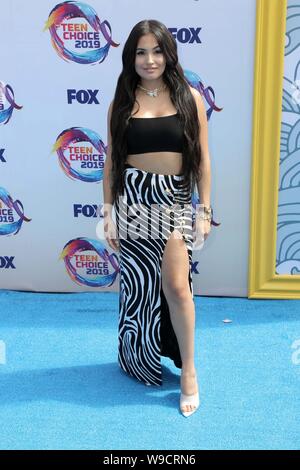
(150, 208)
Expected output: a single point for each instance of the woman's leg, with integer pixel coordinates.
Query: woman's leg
(175, 267)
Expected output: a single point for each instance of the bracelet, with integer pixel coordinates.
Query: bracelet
(207, 213)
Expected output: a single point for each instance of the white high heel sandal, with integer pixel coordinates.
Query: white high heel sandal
(189, 400)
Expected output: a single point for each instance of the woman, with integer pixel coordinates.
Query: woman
(157, 154)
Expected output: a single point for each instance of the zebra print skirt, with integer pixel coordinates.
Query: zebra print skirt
(151, 207)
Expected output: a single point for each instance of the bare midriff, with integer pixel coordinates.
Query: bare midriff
(165, 163)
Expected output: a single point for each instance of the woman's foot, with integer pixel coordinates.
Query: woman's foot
(189, 398)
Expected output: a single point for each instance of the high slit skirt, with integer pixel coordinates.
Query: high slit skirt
(150, 208)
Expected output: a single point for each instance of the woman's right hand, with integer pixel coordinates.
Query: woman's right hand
(110, 233)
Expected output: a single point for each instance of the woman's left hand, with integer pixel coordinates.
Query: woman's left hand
(201, 230)
(206, 228)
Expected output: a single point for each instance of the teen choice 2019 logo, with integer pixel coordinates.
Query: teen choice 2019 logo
(75, 30)
(81, 154)
(207, 92)
(89, 263)
(11, 214)
(7, 103)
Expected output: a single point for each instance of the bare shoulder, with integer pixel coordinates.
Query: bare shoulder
(109, 123)
(110, 107)
(201, 110)
(109, 112)
(197, 96)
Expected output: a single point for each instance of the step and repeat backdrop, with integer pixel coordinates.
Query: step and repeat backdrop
(59, 67)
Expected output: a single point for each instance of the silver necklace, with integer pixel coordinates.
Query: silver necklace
(154, 92)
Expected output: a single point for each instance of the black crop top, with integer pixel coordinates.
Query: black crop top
(157, 134)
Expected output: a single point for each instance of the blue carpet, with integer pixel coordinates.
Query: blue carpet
(61, 386)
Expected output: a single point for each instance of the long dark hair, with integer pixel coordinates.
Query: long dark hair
(180, 95)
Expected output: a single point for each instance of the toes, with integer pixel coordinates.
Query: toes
(188, 408)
